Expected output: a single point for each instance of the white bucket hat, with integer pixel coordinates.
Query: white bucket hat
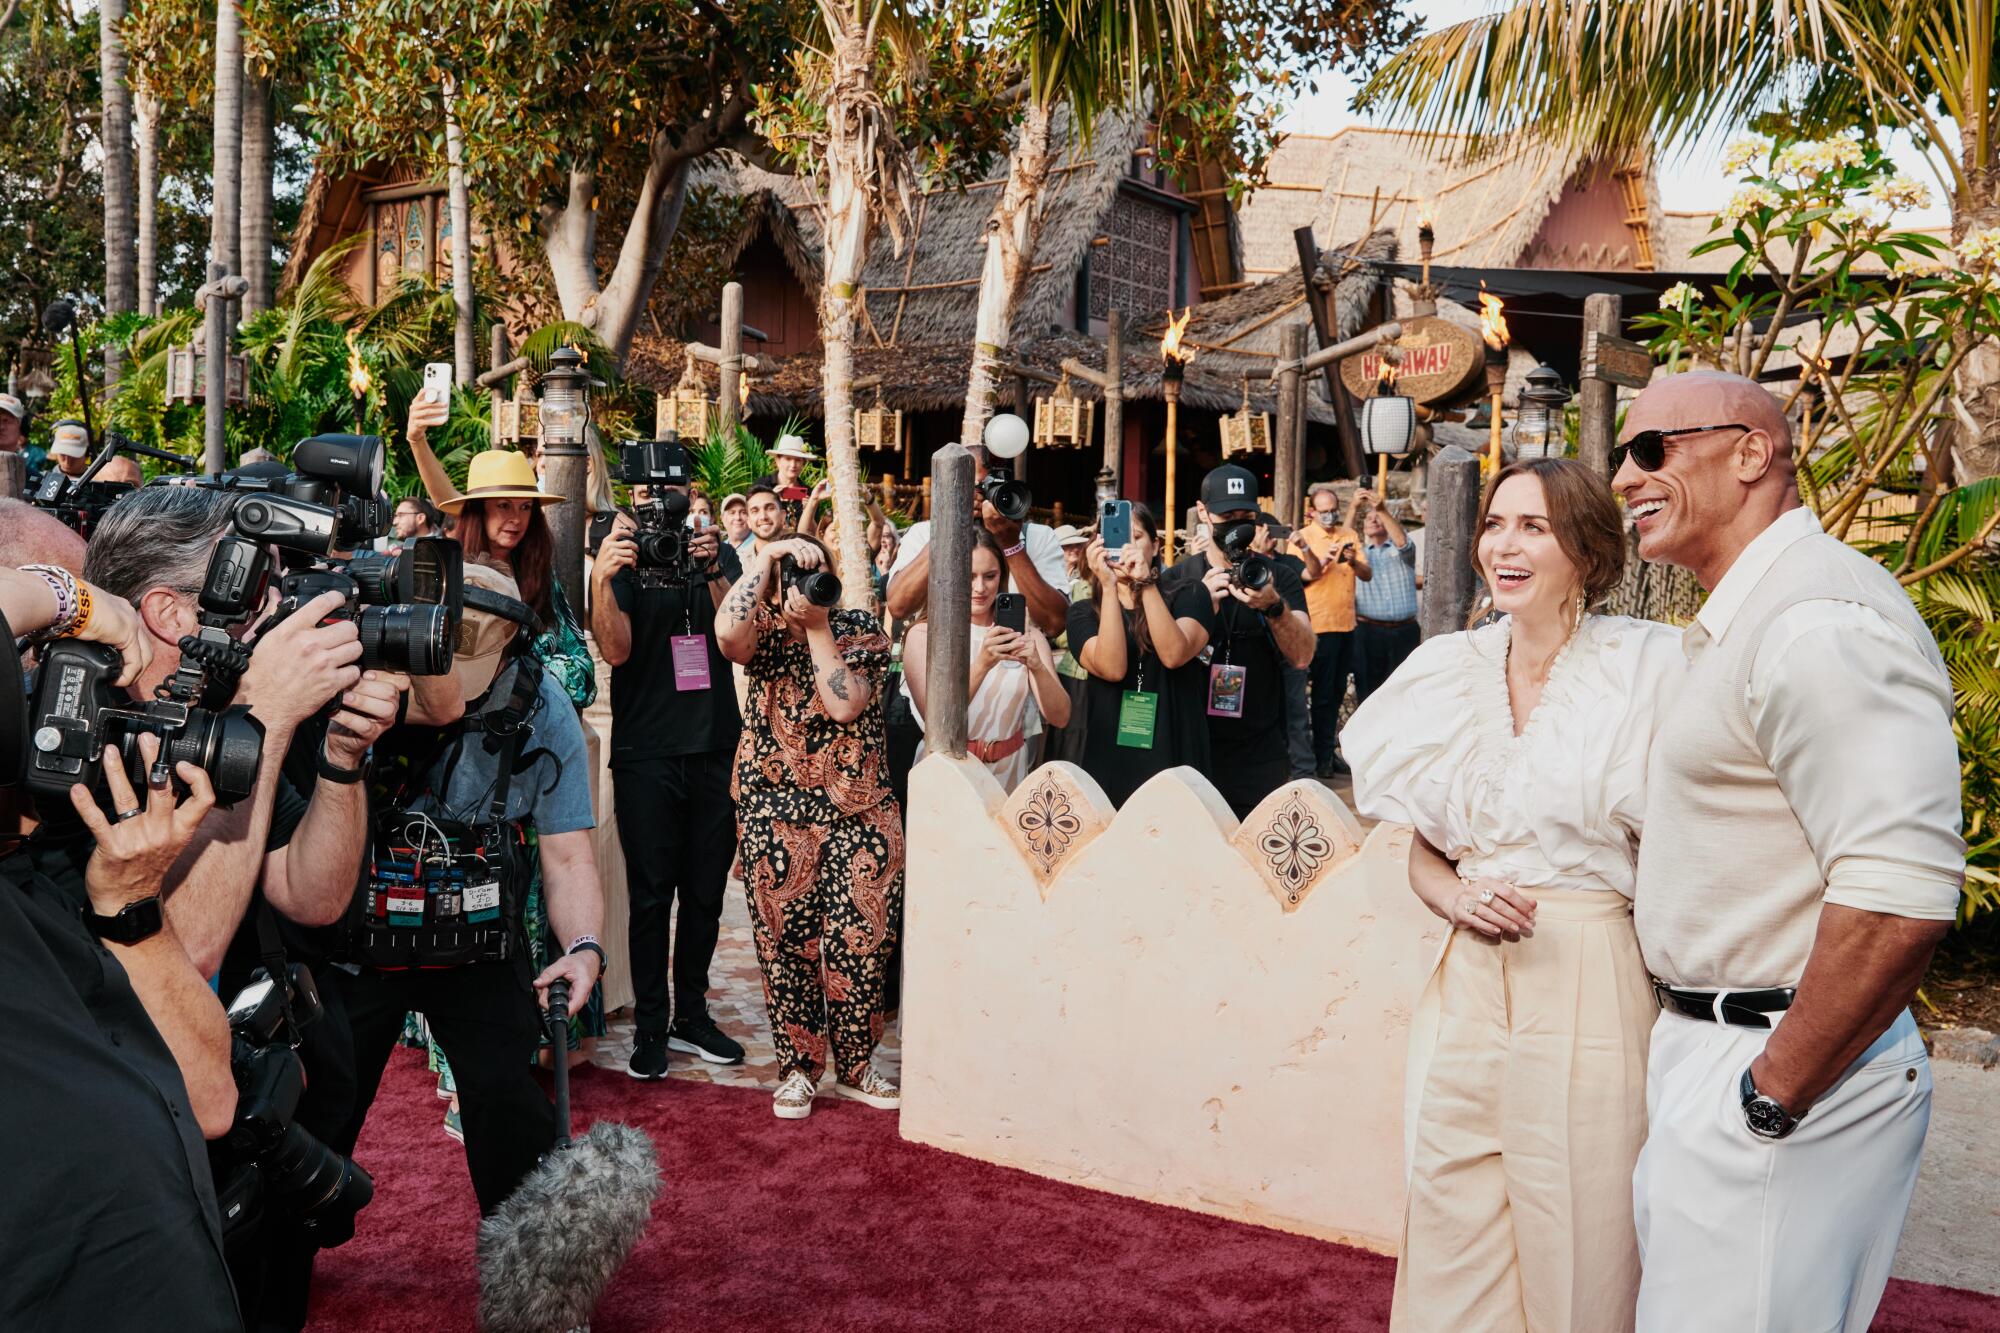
(791, 446)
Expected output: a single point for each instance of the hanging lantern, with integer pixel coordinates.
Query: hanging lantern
(564, 390)
(688, 410)
(1244, 431)
(34, 364)
(187, 375)
(518, 421)
(878, 427)
(1538, 422)
(1387, 420)
(1062, 420)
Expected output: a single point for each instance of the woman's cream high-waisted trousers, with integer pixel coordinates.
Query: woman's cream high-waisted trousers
(1527, 1109)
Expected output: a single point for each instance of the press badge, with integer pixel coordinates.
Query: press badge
(1137, 712)
(1225, 689)
(690, 662)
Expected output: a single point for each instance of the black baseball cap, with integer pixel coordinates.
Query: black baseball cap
(1228, 489)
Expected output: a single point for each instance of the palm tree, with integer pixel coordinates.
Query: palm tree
(254, 221)
(465, 346)
(1614, 79)
(226, 177)
(1079, 55)
(121, 283)
(146, 109)
(867, 183)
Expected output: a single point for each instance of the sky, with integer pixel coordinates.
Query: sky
(1690, 181)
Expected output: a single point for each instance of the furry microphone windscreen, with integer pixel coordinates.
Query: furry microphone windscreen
(547, 1253)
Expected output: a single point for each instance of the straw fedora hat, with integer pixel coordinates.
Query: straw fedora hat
(791, 446)
(497, 474)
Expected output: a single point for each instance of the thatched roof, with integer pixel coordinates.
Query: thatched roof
(929, 293)
(1486, 211)
(1230, 336)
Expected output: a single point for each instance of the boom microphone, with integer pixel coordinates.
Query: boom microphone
(547, 1253)
(60, 314)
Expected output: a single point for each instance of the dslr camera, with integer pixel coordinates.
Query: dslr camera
(405, 606)
(292, 1171)
(75, 711)
(816, 585)
(1011, 499)
(661, 466)
(1248, 569)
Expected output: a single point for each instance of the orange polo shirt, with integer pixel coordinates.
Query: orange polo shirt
(1330, 597)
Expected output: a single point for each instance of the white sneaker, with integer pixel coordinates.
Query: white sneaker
(794, 1099)
(873, 1090)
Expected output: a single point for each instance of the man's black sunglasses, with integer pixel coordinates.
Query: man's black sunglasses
(1649, 447)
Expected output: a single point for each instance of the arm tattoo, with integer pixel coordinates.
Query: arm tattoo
(744, 599)
(837, 683)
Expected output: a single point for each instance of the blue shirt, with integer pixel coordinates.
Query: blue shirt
(1392, 593)
(552, 792)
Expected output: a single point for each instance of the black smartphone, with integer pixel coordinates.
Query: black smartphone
(1114, 526)
(1011, 609)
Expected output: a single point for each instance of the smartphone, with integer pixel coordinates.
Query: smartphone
(1011, 609)
(437, 381)
(1114, 526)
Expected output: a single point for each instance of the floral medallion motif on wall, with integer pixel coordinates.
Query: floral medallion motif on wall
(1299, 834)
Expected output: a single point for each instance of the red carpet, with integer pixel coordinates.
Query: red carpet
(836, 1224)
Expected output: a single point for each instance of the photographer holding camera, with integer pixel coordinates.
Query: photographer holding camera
(655, 588)
(126, 1047)
(1260, 627)
(1034, 557)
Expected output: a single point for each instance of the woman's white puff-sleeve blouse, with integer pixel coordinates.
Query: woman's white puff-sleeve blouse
(1559, 806)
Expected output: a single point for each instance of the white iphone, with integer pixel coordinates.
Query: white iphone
(437, 381)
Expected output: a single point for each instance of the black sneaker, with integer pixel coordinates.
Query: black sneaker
(649, 1056)
(700, 1036)
(1335, 767)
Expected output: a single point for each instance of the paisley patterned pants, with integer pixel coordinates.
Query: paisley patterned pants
(825, 890)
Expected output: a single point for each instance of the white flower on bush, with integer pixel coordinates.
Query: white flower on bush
(1680, 296)
(1748, 200)
(1817, 157)
(1845, 215)
(1912, 265)
(1741, 153)
(1980, 249)
(1901, 191)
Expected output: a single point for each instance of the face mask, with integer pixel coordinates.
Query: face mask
(1327, 519)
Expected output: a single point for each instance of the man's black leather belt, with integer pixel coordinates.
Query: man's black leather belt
(1386, 624)
(1739, 1008)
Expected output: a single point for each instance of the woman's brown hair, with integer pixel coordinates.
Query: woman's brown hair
(985, 540)
(1136, 629)
(1582, 515)
(532, 561)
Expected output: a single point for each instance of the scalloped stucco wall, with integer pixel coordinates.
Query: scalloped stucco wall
(1164, 1005)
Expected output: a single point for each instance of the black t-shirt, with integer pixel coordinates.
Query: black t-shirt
(1180, 732)
(1242, 637)
(108, 1204)
(650, 717)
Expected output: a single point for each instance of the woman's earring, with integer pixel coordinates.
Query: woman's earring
(1581, 605)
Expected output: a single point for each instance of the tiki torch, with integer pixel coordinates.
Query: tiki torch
(1426, 242)
(1493, 328)
(357, 380)
(1175, 360)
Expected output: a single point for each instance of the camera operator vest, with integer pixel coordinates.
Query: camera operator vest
(440, 892)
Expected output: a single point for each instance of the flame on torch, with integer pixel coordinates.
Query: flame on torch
(358, 380)
(1385, 373)
(1492, 319)
(1170, 346)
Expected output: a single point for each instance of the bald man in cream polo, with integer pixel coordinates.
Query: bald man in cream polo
(1801, 861)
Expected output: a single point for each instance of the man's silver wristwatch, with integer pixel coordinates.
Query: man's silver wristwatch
(1766, 1118)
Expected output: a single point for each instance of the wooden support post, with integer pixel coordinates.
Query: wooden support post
(1111, 481)
(1449, 582)
(728, 401)
(1597, 397)
(1322, 317)
(1288, 462)
(13, 477)
(497, 345)
(949, 601)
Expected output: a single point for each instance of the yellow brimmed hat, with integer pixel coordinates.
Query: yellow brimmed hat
(499, 474)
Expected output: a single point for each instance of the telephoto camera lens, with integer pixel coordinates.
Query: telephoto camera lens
(322, 1188)
(1253, 573)
(415, 640)
(1010, 499)
(659, 548)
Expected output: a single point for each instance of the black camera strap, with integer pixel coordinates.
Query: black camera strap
(271, 951)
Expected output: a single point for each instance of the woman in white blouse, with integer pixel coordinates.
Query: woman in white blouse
(1014, 687)
(1518, 753)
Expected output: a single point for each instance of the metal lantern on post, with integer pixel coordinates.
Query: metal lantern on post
(1245, 431)
(1538, 421)
(564, 390)
(1062, 420)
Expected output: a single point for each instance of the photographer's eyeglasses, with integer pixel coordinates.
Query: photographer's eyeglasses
(1649, 447)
